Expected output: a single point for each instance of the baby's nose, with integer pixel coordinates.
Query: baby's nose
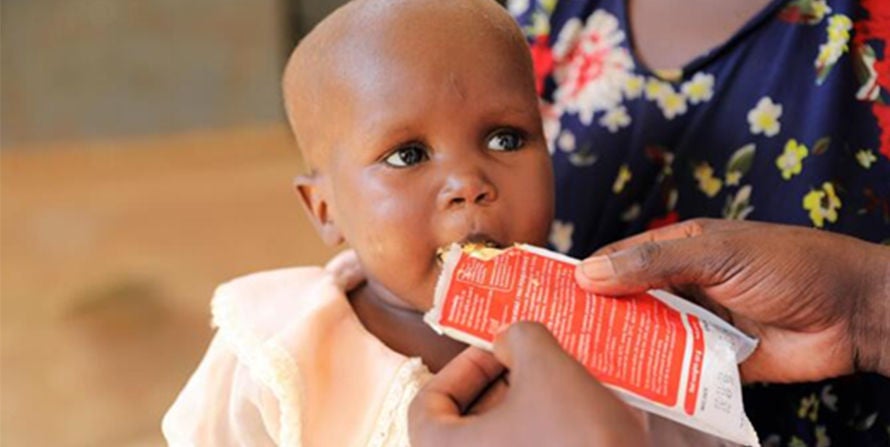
(466, 189)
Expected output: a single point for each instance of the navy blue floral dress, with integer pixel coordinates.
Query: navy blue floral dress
(787, 121)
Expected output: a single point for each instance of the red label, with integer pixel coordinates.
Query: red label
(635, 343)
(698, 352)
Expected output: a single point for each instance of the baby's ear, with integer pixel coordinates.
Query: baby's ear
(316, 207)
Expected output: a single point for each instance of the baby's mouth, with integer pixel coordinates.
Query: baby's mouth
(476, 241)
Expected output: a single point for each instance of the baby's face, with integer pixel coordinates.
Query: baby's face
(433, 143)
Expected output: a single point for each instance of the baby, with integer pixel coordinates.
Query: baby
(419, 123)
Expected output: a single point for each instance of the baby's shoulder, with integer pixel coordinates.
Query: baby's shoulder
(289, 281)
(267, 302)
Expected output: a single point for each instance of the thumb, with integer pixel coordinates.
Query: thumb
(525, 342)
(703, 261)
(458, 384)
(435, 415)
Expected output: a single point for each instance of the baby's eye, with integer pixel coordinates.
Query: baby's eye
(505, 140)
(407, 156)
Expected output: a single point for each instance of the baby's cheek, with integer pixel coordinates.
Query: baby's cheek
(537, 220)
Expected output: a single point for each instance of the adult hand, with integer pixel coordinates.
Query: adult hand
(819, 302)
(551, 399)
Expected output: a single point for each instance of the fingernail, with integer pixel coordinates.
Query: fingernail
(597, 268)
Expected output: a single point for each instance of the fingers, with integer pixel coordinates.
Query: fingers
(689, 228)
(457, 385)
(435, 415)
(598, 272)
(553, 394)
(660, 259)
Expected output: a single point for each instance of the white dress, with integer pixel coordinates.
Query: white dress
(292, 365)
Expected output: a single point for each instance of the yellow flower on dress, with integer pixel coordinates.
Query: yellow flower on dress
(615, 119)
(633, 86)
(624, 176)
(540, 25)
(839, 27)
(764, 117)
(790, 160)
(809, 407)
(838, 30)
(820, 8)
(733, 177)
(865, 157)
(707, 183)
(710, 186)
(822, 204)
(822, 439)
(656, 88)
(700, 88)
(672, 104)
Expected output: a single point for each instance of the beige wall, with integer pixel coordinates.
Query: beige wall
(87, 69)
(144, 161)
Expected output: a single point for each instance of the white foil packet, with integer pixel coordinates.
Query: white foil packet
(658, 352)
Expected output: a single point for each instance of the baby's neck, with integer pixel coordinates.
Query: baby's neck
(402, 329)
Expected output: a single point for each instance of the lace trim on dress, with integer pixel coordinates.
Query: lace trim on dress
(391, 427)
(268, 362)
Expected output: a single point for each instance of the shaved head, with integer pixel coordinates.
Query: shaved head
(359, 41)
(420, 124)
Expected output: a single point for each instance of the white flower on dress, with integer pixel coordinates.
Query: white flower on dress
(865, 157)
(615, 119)
(700, 88)
(517, 7)
(656, 88)
(591, 66)
(566, 141)
(633, 87)
(764, 117)
(550, 118)
(561, 235)
(672, 103)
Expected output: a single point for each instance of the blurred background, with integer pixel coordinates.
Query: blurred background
(144, 159)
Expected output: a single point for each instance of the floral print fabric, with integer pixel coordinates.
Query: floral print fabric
(787, 121)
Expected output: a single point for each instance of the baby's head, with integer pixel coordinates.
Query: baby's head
(419, 123)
